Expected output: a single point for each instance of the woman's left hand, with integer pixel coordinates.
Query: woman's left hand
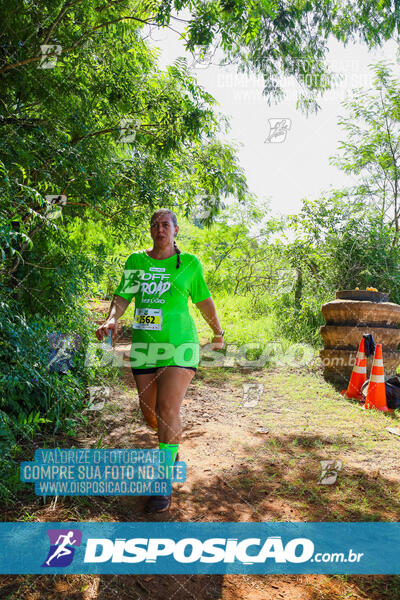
(217, 342)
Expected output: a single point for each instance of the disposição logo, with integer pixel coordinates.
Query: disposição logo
(61, 553)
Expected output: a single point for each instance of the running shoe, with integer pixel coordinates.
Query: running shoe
(156, 504)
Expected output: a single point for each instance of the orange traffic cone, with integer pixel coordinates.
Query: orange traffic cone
(358, 376)
(376, 394)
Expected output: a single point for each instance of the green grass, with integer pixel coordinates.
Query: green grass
(238, 320)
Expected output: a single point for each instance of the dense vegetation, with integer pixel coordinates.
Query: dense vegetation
(94, 137)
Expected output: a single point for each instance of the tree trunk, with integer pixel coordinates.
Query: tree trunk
(298, 290)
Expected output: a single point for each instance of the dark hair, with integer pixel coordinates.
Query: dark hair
(167, 211)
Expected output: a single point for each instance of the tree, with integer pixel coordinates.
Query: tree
(236, 250)
(277, 38)
(93, 138)
(372, 148)
(339, 245)
(102, 132)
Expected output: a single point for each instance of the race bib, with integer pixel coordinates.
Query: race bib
(148, 318)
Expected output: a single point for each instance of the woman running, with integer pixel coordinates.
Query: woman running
(165, 345)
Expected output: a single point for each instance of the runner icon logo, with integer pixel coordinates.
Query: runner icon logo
(61, 554)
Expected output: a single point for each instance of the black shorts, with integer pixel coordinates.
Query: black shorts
(154, 369)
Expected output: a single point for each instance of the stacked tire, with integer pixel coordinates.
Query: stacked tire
(353, 313)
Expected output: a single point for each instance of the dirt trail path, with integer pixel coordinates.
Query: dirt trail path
(248, 459)
(258, 458)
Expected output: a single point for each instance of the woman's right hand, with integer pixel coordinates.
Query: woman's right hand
(109, 325)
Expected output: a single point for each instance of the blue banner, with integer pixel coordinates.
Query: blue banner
(102, 472)
(195, 548)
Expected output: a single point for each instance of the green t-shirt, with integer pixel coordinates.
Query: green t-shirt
(164, 333)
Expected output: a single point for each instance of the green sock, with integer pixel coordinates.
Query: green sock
(173, 449)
